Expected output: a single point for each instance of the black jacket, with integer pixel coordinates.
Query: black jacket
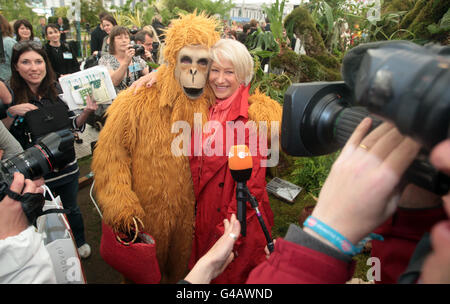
(159, 27)
(60, 65)
(97, 37)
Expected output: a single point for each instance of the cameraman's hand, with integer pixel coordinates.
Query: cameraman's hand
(12, 218)
(360, 192)
(148, 55)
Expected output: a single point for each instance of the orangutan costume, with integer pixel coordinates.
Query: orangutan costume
(136, 172)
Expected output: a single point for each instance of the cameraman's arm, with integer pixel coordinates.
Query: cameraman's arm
(23, 256)
(8, 143)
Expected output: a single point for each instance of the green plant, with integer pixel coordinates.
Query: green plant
(270, 84)
(262, 41)
(275, 15)
(311, 172)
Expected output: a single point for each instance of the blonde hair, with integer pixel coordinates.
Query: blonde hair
(235, 52)
(150, 29)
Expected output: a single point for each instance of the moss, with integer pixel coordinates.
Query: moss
(409, 18)
(304, 27)
(425, 12)
(397, 6)
(318, 64)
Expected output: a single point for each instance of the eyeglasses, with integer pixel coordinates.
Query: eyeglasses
(27, 44)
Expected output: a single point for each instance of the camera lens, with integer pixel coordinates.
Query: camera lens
(54, 151)
(32, 163)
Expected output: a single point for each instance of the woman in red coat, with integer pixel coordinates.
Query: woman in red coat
(214, 187)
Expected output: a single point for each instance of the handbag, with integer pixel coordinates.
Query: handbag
(43, 121)
(134, 259)
(60, 243)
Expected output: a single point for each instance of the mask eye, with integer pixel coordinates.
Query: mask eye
(203, 62)
(186, 60)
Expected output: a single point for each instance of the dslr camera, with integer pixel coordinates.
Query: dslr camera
(397, 81)
(138, 49)
(49, 154)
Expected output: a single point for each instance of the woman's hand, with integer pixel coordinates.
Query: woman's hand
(218, 257)
(91, 104)
(129, 54)
(361, 192)
(21, 109)
(147, 81)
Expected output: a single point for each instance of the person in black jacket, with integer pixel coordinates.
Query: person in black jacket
(62, 58)
(34, 87)
(97, 35)
(159, 27)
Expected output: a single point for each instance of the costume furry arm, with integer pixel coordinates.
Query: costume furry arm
(112, 166)
(264, 108)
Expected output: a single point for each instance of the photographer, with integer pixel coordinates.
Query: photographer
(124, 67)
(145, 39)
(35, 88)
(23, 256)
(360, 193)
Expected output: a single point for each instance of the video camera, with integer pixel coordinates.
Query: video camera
(48, 154)
(397, 81)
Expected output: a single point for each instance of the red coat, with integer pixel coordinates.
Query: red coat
(401, 234)
(291, 263)
(215, 192)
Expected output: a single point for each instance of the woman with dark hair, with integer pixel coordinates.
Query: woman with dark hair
(34, 87)
(108, 23)
(62, 57)
(123, 66)
(24, 31)
(8, 43)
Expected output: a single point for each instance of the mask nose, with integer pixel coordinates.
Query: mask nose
(193, 72)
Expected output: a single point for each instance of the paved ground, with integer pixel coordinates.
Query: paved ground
(96, 270)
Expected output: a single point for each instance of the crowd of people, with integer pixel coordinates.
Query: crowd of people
(367, 172)
(29, 82)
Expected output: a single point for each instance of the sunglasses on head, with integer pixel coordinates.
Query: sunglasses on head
(26, 44)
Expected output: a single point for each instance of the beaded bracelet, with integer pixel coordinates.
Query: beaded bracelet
(337, 239)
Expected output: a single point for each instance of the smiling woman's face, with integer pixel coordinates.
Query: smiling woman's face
(31, 66)
(24, 32)
(223, 79)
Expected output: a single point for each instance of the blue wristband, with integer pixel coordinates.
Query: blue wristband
(9, 114)
(337, 239)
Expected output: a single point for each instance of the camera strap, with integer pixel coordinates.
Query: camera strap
(32, 204)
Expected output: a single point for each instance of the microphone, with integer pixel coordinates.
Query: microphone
(240, 164)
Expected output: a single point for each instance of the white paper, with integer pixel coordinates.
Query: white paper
(94, 81)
